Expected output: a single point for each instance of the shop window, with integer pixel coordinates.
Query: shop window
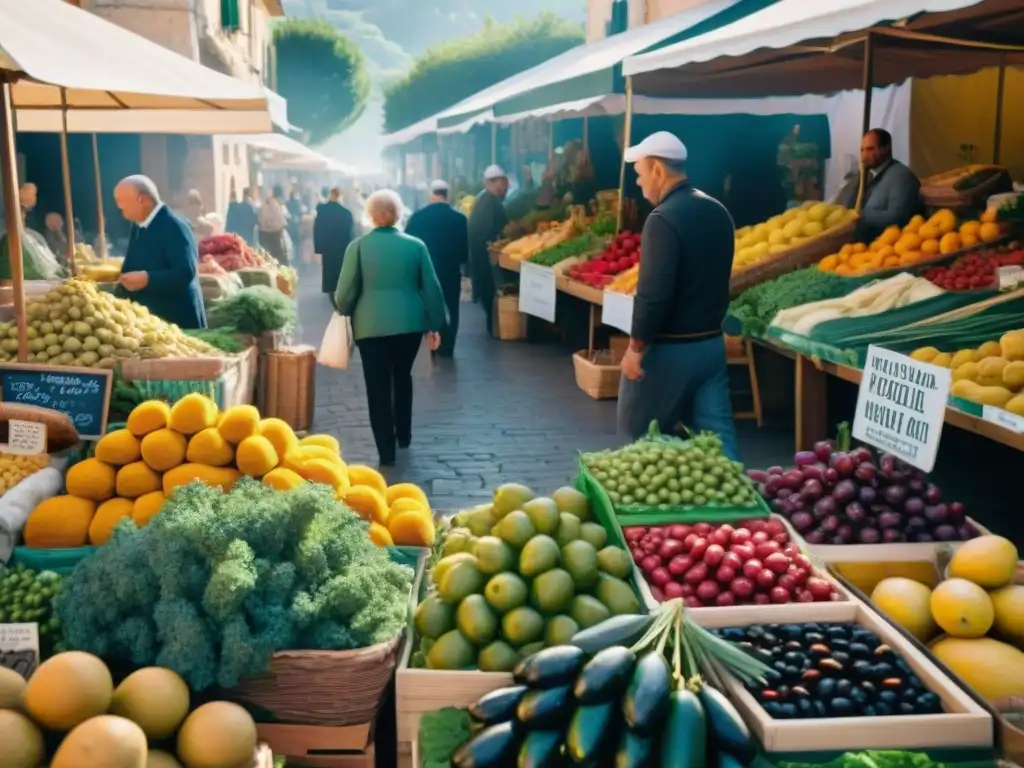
(229, 15)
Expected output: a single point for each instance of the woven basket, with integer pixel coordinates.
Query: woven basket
(60, 430)
(510, 323)
(597, 373)
(939, 191)
(809, 252)
(323, 687)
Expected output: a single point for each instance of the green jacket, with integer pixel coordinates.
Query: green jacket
(388, 286)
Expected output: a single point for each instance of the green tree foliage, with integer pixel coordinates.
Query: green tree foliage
(323, 75)
(446, 74)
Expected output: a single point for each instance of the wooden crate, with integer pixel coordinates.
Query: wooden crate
(321, 746)
(964, 724)
(288, 386)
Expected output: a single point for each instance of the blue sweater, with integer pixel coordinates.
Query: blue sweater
(167, 251)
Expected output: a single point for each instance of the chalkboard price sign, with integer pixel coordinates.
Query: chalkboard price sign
(82, 393)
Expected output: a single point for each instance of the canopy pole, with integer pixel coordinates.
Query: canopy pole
(586, 133)
(65, 172)
(494, 143)
(627, 126)
(9, 173)
(997, 138)
(101, 224)
(867, 83)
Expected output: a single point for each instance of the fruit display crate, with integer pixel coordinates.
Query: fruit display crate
(963, 725)
(321, 746)
(901, 552)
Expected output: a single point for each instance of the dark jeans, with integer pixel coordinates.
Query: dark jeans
(684, 382)
(387, 370)
(452, 297)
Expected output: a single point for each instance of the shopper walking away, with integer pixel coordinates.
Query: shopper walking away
(444, 231)
(242, 218)
(674, 369)
(273, 221)
(390, 290)
(332, 233)
(195, 214)
(295, 210)
(486, 222)
(161, 266)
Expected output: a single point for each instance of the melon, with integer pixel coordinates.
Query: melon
(107, 740)
(906, 602)
(217, 735)
(158, 759)
(12, 689)
(22, 742)
(154, 698)
(68, 689)
(988, 561)
(962, 608)
(994, 669)
(1008, 603)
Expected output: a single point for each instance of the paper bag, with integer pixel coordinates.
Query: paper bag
(336, 348)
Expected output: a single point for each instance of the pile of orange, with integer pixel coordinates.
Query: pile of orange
(921, 240)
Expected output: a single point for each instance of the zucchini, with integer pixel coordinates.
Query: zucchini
(684, 738)
(591, 733)
(550, 667)
(618, 630)
(494, 747)
(726, 728)
(605, 676)
(497, 706)
(545, 707)
(634, 751)
(542, 749)
(645, 705)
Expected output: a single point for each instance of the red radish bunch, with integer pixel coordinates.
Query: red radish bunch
(621, 254)
(229, 251)
(754, 562)
(975, 270)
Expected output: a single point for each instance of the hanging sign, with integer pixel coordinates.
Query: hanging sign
(82, 393)
(537, 291)
(19, 648)
(617, 311)
(901, 406)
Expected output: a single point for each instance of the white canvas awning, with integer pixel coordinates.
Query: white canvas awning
(280, 151)
(114, 81)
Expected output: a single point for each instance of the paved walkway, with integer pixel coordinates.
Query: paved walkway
(499, 412)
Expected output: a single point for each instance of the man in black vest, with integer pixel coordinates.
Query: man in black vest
(160, 269)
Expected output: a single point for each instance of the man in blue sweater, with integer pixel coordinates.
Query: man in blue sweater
(160, 269)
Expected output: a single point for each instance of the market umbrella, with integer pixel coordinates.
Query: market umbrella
(50, 73)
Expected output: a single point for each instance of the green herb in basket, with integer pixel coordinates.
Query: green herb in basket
(257, 309)
(577, 246)
(224, 339)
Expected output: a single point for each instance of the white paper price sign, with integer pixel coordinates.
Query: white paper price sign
(537, 291)
(617, 311)
(1004, 419)
(25, 438)
(901, 406)
(19, 648)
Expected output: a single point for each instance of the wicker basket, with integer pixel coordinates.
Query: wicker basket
(597, 373)
(509, 322)
(809, 252)
(940, 191)
(323, 687)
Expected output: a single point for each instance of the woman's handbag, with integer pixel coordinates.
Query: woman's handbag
(336, 348)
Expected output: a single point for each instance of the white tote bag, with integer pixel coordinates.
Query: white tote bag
(336, 348)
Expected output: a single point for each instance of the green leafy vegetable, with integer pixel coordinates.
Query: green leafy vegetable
(224, 339)
(756, 306)
(577, 246)
(218, 582)
(256, 309)
(890, 758)
(441, 733)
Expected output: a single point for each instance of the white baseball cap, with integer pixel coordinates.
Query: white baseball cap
(494, 172)
(661, 144)
(439, 185)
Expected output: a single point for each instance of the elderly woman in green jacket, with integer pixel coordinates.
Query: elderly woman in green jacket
(390, 290)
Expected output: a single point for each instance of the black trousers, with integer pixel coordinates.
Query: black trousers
(387, 370)
(452, 289)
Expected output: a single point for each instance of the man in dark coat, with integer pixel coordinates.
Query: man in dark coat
(241, 219)
(445, 233)
(333, 230)
(161, 267)
(486, 222)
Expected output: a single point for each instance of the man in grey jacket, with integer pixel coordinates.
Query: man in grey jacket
(892, 194)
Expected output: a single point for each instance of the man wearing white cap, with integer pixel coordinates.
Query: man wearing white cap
(444, 231)
(675, 368)
(486, 222)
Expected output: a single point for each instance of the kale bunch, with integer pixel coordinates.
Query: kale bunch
(217, 582)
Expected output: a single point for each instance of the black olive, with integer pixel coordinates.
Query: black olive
(819, 707)
(793, 645)
(812, 626)
(788, 710)
(793, 657)
(929, 702)
(841, 656)
(732, 633)
(779, 666)
(861, 668)
(883, 650)
(843, 687)
(870, 710)
(914, 681)
(799, 691)
(888, 697)
(859, 695)
(772, 676)
(819, 649)
(769, 639)
(907, 708)
(826, 688)
(902, 664)
(830, 666)
(908, 694)
(882, 670)
(772, 708)
(806, 707)
(794, 672)
(783, 691)
(883, 710)
(868, 687)
(859, 650)
(838, 632)
(841, 707)
(792, 632)
(813, 637)
(838, 644)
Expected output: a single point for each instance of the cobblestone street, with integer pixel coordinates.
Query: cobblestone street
(499, 412)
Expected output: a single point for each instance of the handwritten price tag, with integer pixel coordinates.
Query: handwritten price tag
(25, 438)
(537, 291)
(617, 311)
(19, 648)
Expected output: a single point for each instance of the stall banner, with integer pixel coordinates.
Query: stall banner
(19, 648)
(901, 406)
(81, 393)
(537, 291)
(617, 311)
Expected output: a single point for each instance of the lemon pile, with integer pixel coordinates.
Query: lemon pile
(757, 243)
